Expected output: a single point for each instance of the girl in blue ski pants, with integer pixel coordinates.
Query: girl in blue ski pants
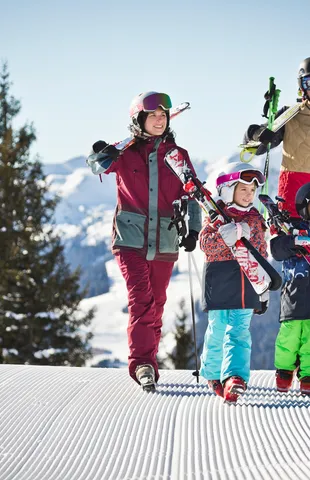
(227, 345)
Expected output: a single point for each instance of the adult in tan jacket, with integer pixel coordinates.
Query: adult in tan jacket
(292, 348)
(295, 135)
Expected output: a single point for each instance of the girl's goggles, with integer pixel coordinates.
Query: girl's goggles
(246, 176)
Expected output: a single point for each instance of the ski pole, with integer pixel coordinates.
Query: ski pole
(185, 217)
(196, 372)
(270, 110)
(197, 272)
(180, 221)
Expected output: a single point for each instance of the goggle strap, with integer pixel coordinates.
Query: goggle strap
(237, 177)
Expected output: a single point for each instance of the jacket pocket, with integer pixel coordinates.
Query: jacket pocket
(168, 239)
(129, 229)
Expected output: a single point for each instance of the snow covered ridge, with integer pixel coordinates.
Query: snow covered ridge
(61, 423)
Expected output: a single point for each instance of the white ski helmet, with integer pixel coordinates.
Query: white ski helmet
(234, 173)
(147, 102)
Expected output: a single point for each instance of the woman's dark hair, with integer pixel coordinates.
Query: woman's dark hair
(143, 116)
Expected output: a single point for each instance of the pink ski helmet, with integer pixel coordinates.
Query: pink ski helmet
(147, 102)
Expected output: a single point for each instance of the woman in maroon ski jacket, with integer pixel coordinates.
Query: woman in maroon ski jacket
(144, 248)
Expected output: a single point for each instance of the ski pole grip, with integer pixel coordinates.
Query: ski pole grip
(271, 85)
(273, 108)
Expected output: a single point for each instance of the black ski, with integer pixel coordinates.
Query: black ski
(280, 220)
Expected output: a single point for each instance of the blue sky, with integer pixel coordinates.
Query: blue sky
(76, 65)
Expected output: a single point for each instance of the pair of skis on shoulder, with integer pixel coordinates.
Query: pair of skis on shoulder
(174, 112)
(278, 123)
(257, 269)
(127, 142)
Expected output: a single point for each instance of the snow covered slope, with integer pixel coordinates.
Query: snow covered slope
(60, 423)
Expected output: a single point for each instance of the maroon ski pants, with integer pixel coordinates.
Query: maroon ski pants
(147, 282)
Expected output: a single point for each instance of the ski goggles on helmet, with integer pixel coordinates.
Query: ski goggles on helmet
(245, 176)
(305, 82)
(155, 100)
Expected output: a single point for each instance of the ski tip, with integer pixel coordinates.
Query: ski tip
(183, 106)
(276, 282)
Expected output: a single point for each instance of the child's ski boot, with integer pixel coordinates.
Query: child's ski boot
(233, 388)
(216, 387)
(284, 380)
(305, 385)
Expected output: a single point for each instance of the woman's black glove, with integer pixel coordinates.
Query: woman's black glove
(189, 242)
(108, 150)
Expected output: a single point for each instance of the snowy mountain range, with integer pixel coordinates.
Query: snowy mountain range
(84, 221)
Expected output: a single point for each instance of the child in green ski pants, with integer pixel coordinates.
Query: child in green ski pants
(292, 348)
(293, 339)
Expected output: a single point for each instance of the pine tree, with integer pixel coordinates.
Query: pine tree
(40, 318)
(183, 354)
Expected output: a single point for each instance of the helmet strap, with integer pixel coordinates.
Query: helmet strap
(238, 207)
(136, 129)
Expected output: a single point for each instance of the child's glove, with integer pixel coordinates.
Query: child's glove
(106, 150)
(231, 232)
(189, 242)
(264, 299)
